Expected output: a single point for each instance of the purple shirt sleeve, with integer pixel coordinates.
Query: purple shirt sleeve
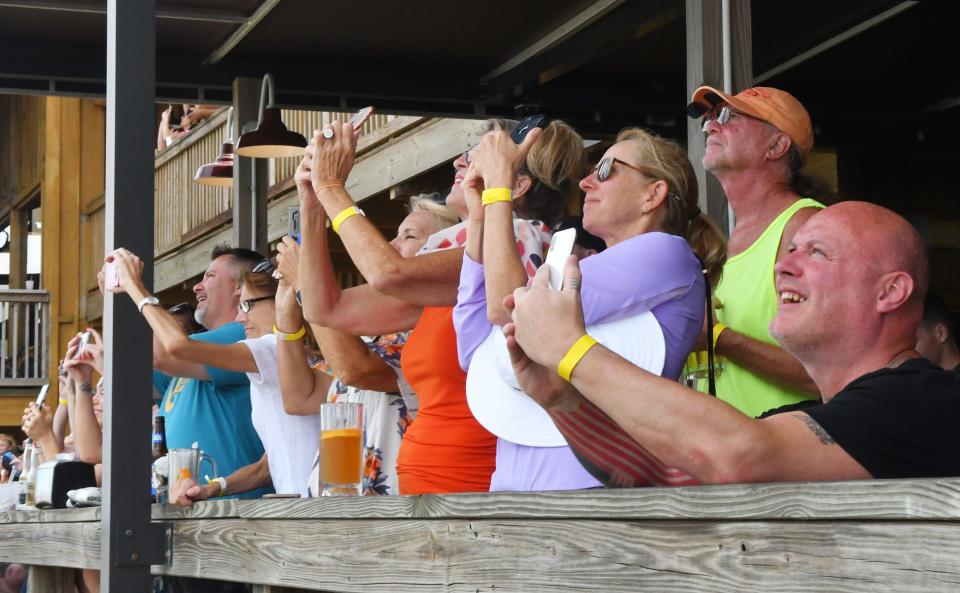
(470, 314)
(636, 275)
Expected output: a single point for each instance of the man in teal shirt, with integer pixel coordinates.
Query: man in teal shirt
(208, 405)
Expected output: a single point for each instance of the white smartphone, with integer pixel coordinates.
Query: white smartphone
(84, 340)
(360, 117)
(561, 246)
(43, 394)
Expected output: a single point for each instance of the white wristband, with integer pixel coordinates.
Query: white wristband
(223, 485)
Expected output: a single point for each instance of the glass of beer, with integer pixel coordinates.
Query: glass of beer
(341, 449)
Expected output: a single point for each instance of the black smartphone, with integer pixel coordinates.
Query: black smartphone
(523, 127)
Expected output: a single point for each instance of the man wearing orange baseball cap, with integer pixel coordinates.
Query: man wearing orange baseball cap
(757, 141)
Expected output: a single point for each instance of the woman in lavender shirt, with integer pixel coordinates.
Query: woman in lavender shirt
(641, 199)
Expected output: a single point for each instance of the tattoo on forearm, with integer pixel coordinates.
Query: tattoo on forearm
(86, 388)
(818, 430)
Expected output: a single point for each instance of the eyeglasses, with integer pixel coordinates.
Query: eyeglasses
(245, 306)
(605, 167)
(470, 151)
(263, 266)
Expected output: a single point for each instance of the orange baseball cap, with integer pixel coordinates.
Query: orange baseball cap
(778, 108)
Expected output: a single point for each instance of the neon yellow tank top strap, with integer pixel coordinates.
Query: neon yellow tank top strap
(748, 299)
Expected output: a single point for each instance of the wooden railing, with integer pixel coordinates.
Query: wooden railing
(841, 537)
(181, 207)
(184, 210)
(24, 337)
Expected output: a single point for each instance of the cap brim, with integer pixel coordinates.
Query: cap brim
(498, 404)
(706, 98)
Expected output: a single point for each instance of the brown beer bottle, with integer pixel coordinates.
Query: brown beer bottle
(159, 438)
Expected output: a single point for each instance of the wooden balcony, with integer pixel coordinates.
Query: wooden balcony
(843, 537)
(24, 337)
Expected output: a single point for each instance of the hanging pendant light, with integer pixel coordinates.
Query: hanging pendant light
(220, 172)
(271, 139)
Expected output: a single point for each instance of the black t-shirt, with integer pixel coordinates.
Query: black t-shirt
(897, 423)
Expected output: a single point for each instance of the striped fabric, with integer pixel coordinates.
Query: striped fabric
(616, 459)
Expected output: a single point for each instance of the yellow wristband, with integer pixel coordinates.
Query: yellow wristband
(291, 337)
(717, 330)
(345, 214)
(64, 402)
(496, 194)
(573, 356)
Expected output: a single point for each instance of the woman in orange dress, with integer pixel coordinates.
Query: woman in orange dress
(445, 449)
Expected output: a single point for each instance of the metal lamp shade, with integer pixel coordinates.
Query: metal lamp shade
(220, 171)
(271, 139)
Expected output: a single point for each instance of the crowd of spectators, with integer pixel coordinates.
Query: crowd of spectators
(476, 376)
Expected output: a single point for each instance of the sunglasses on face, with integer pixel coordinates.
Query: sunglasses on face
(605, 167)
(721, 114)
(263, 266)
(245, 306)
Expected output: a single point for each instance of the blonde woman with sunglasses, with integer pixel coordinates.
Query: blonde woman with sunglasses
(641, 199)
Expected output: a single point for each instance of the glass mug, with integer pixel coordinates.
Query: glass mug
(341, 449)
(185, 463)
(697, 370)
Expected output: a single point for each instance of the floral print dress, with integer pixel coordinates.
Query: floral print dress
(386, 417)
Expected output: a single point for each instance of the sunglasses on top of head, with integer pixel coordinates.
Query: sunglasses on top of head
(263, 267)
(180, 308)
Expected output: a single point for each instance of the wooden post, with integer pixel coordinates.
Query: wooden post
(18, 247)
(60, 201)
(249, 174)
(705, 67)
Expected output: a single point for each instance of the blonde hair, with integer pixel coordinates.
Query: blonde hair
(667, 161)
(429, 203)
(555, 165)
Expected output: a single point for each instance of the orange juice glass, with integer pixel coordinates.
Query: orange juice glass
(341, 449)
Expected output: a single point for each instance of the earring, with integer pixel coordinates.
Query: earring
(643, 210)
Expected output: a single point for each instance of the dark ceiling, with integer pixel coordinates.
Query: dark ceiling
(627, 66)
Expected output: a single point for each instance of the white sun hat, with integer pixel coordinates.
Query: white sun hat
(499, 404)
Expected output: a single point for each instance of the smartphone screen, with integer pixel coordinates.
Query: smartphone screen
(523, 127)
(293, 222)
(561, 246)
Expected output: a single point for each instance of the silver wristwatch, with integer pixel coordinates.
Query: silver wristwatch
(147, 300)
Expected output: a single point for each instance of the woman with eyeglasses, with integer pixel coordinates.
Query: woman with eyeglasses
(289, 441)
(641, 199)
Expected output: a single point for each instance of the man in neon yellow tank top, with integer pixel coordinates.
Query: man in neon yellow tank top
(757, 141)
